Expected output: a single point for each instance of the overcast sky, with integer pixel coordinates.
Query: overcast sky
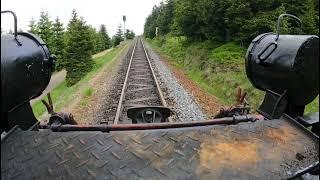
(95, 12)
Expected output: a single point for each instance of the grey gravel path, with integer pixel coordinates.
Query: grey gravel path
(183, 105)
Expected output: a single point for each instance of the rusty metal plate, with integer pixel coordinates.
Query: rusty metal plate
(261, 150)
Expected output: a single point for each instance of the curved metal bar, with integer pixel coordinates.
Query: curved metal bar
(149, 126)
(15, 25)
(15, 21)
(279, 21)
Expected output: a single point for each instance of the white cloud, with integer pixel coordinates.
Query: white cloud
(95, 12)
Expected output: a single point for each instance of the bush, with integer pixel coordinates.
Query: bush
(228, 53)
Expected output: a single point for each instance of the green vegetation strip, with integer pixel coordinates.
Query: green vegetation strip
(63, 95)
(217, 68)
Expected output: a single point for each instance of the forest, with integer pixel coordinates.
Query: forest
(224, 21)
(74, 45)
(208, 38)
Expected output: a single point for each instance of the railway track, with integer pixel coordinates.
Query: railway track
(141, 98)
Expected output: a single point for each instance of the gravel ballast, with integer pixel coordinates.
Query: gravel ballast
(179, 100)
(110, 98)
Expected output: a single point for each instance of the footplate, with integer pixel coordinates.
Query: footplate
(265, 149)
(148, 114)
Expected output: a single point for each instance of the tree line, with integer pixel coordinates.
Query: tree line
(230, 20)
(75, 45)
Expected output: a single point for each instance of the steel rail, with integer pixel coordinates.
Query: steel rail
(163, 101)
(123, 92)
(119, 108)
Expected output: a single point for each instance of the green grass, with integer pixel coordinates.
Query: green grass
(313, 106)
(38, 108)
(62, 95)
(228, 53)
(217, 68)
(87, 92)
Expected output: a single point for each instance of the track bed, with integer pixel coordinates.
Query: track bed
(140, 87)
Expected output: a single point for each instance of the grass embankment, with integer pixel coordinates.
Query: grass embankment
(63, 95)
(217, 68)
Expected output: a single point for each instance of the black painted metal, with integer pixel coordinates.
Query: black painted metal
(273, 105)
(25, 72)
(15, 25)
(148, 114)
(287, 65)
(310, 120)
(292, 66)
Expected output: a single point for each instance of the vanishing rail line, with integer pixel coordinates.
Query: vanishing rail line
(140, 87)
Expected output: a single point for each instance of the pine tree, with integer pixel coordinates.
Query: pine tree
(105, 36)
(78, 49)
(58, 43)
(309, 19)
(151, 23)
(118, 37)
(93, 35)
(165, 18)
(98, 44)
(129, 34)
(33, 27)
(45, 28)
(224, 21)
(74, 18)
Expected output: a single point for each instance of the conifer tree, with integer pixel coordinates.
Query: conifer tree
(129, 34)
(118, 37)
(78, 50)
(33, 27)
(225, 21)
(98, 44)
(105, 36)
(310, 18)
(45, 28)
(58, 43)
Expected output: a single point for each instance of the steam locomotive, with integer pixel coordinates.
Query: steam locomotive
(279, 143)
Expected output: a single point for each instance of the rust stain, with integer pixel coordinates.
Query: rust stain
(248, 152)
(218, 150)
(224, 154)
(284, 137)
